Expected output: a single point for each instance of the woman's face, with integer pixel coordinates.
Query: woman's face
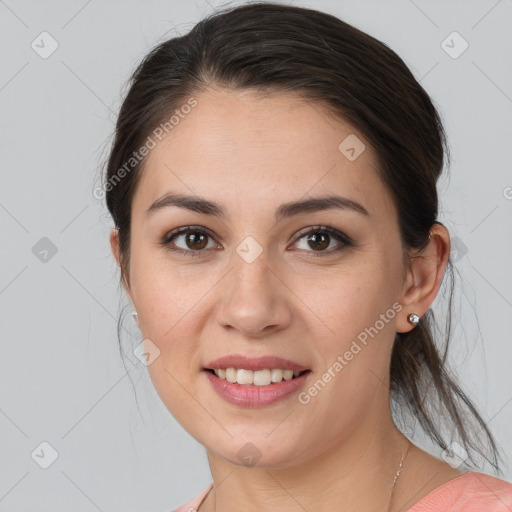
(258, 285)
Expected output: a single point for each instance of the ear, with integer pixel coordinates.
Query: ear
(114, 245)
(424, 277)
(116, 251)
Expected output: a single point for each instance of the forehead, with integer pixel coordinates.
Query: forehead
(246, 148)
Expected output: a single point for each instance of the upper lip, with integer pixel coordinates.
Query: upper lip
(253, 363)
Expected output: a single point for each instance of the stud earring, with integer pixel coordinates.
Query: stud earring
(134, 314)
(413, 319)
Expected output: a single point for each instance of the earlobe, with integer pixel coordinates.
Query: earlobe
(424, 277)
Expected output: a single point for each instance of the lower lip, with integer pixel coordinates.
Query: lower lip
(249, 395)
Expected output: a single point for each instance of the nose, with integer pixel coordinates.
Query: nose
(254, 299)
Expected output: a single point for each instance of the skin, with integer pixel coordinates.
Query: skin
(251, 153)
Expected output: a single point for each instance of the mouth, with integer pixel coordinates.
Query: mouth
(259, 388)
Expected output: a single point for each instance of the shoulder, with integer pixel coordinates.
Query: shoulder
(470, 492)
(193, 504)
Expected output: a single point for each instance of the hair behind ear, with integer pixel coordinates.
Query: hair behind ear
(420, 381)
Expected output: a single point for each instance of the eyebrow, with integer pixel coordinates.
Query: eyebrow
(286, 210)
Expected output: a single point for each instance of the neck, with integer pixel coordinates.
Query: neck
(360, 470)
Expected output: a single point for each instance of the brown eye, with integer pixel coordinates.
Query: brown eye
(319, 238)
(189, 241)
(196, 241)
(318, 241)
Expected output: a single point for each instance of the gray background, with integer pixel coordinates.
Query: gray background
(62, 379)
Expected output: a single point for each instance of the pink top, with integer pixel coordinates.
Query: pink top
(469, 492)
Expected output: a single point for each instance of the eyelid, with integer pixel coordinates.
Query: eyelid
(184, 229)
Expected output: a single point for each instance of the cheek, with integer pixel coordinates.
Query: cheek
(354, 341)
(162, 289)
(168, 307)
(355, 317)
(349, 299)
(170, 315)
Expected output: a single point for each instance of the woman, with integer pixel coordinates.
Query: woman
(273, 188)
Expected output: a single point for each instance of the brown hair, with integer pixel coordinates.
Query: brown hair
(266, 46)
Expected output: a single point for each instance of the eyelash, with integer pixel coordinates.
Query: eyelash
(337, 235)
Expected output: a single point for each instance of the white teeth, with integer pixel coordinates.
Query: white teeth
(287, 374)
(277, 375)
(258, 377)
(244, 376)
(230, 375)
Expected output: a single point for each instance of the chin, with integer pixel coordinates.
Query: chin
(258, 451)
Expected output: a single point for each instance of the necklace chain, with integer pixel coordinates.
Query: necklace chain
(398, 472)
(397, 475)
